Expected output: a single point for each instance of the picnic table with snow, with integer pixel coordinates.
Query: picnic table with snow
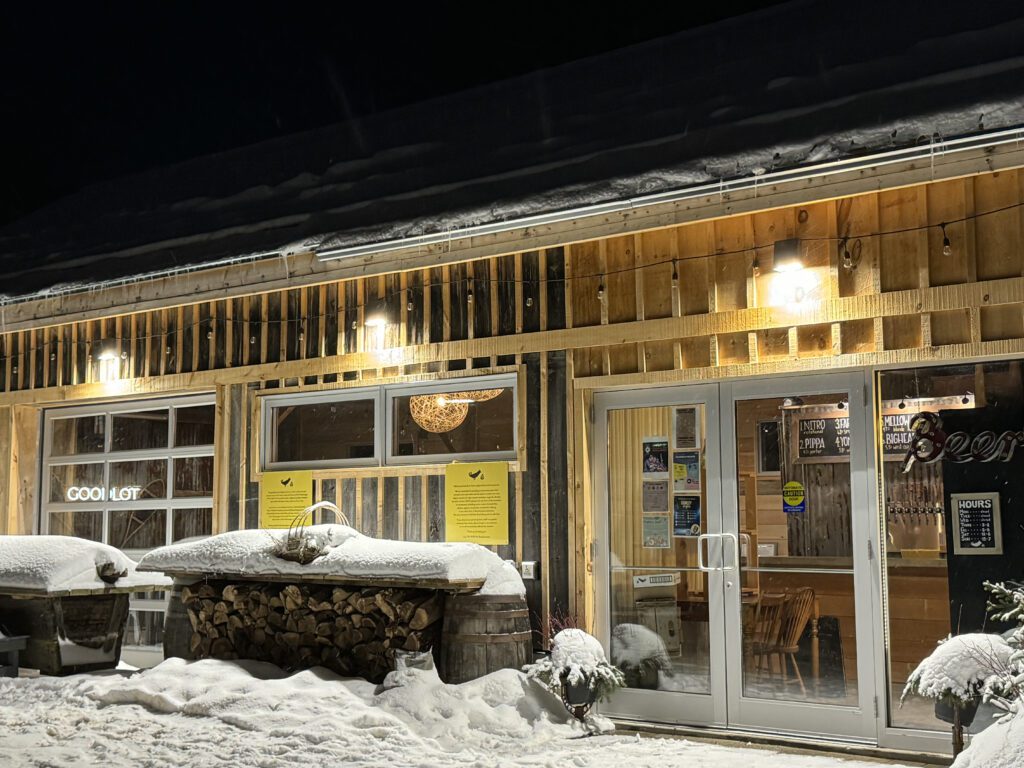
(57, 566)
(69, 597)
(347, 556)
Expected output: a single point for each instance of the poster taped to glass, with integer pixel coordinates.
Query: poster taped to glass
(687, 427)
(656, 531)
(686, 516)
(686, 472)
(655, 458)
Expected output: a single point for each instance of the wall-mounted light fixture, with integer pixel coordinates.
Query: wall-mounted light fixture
(787, 256)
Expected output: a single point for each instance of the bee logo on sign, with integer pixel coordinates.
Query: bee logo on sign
(794, 501)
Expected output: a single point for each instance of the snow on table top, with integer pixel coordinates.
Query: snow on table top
(347, 554)
(64, 563)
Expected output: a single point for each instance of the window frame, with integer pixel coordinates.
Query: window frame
(462, 384)
(269, 435)
(169, 504)
(384, 396)
(761, 472)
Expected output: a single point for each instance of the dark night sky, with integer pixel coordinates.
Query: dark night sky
(94, 94)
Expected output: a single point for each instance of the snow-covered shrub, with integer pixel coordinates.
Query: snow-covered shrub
(957, 670)
(577, 658)
(989, 666)
(640, 653)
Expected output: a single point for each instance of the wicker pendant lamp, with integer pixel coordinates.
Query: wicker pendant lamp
(436, 413)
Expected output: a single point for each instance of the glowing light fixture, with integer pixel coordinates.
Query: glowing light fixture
(787, 256)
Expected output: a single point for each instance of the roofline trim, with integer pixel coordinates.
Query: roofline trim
(932, 150)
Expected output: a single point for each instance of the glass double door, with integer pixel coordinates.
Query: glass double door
(737, 577)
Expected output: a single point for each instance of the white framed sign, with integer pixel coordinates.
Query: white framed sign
(977, 525)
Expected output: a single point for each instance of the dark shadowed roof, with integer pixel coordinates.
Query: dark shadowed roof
(803, 82)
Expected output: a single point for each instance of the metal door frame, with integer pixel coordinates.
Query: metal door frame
(664, 706)
(725, 706)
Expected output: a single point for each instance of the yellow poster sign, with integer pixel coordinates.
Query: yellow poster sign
(284, 496)
(476, 502)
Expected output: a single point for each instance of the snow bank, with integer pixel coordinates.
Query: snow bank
(346, 553)
(502, 706)
(1001, 745)
(959, 666)
(215, 713)
(59, 563)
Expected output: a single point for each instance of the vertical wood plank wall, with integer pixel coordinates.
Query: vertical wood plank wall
(696, 301)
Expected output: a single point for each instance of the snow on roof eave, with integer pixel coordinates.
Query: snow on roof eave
(545, 210)
(338, 246)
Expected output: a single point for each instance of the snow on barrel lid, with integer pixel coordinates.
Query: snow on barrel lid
(343, 553)
(64, 563)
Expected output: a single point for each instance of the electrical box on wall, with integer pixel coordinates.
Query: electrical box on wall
(529, 569)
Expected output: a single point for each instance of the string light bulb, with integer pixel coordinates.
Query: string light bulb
(409, 304)
(252, 339)
(675, 275)
(469, 296)
(947, 248)
(529, 301)
(600, 289)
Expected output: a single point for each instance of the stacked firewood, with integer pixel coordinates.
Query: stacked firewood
(350, 630)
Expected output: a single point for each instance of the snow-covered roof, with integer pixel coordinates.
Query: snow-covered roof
(799, 83)
(347, 555)
(58, 564)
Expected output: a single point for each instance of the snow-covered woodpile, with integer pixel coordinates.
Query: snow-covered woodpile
(351, 630)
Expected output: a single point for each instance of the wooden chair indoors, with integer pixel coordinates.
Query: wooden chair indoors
(765, 637)
(796, 612)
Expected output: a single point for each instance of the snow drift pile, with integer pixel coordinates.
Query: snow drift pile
(54, 564)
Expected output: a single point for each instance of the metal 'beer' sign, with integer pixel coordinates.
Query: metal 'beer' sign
(930, 443)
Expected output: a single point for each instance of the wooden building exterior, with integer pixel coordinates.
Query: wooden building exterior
(665, 294)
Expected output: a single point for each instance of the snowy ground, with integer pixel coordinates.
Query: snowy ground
(212, 713)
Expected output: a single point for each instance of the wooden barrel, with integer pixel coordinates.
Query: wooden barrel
(482, 634)
(177, 627)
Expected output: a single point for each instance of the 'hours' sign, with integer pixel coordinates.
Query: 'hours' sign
(977, 527)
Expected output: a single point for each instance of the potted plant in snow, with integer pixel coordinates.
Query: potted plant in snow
(641, 655)
(954, 675)
(577, 671)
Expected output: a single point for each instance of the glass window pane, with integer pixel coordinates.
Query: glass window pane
(443, 423)
(325, 431)
(131, 480)
(77, 483)
(82, 434)
(144, 628)
(139, 431)
(932, 590)
(768, 447)
(799, 627)
(138, 529)
(192, 522)
(193, 477)
(659, 597)
(193, 425)
(84, 525)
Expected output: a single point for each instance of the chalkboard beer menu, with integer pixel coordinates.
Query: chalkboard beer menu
(823, 439)
(977, 527)
(896, 434)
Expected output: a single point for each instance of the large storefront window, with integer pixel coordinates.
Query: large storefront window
(416, 423)
(133, 475)
(935, 560)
